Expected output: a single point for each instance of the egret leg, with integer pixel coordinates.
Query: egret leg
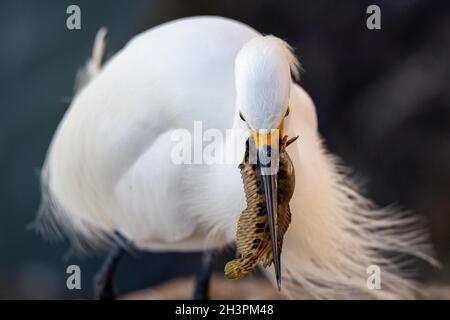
(202, 279)
(104, 286)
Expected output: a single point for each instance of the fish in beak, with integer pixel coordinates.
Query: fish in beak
(267, 147)
(263, 223)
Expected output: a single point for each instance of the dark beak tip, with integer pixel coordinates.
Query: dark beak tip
(279, 283)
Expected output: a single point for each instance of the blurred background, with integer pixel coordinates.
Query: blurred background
(382, 96)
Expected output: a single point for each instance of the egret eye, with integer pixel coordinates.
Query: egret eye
(287, 112)
(241, 116)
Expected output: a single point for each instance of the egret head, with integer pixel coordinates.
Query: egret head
(263, 75)
(263, 71)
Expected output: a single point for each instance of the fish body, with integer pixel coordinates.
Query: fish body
(253, 235)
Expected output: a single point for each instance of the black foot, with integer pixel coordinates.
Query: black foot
(104, 288)
(203, 277)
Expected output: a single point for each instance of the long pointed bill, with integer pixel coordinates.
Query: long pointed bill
(270, 192)
(267, 146)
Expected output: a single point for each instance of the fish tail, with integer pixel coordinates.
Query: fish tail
(237, 268)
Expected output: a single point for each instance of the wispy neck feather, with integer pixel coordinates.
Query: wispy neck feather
(336, 234)
(263, 71)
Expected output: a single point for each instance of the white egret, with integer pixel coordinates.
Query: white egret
(109, 168)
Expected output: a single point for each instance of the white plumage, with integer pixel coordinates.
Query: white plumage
(109, 165)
